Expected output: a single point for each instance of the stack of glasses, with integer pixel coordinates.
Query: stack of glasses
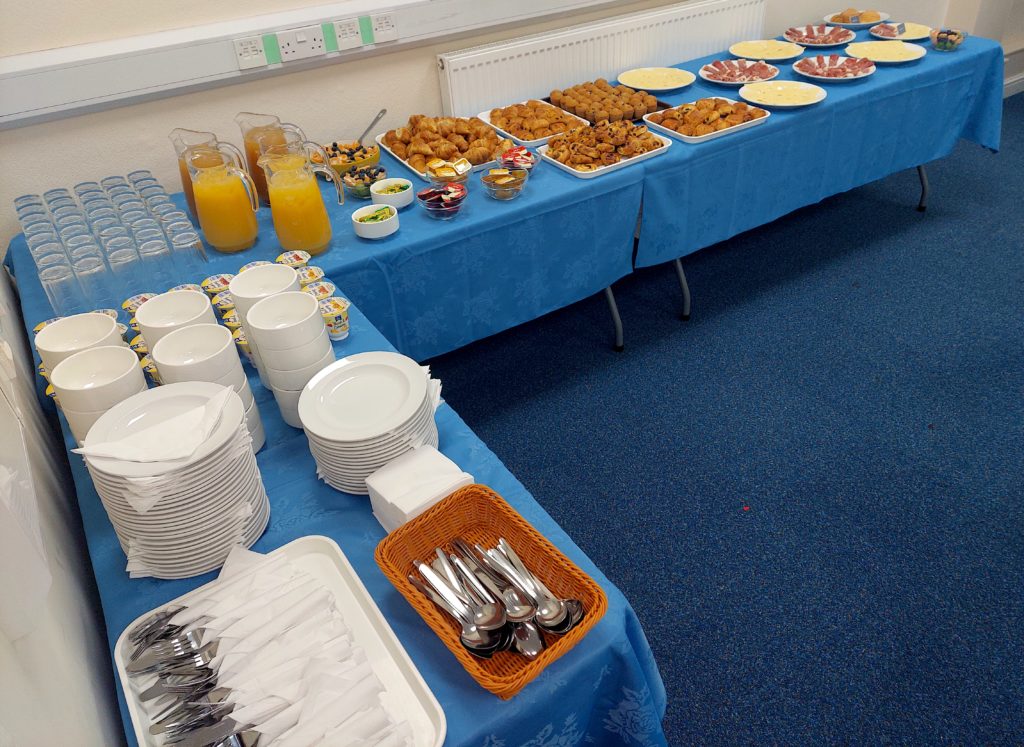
(108, 236)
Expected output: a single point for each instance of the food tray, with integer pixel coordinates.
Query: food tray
(421, 174)
(486, 117)
(882, 18)
(543, 150)
(406, 695)
(711, 135)
(479, 515)
(659, 105)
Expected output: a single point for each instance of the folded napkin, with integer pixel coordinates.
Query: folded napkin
(410, 484)
(175, 438)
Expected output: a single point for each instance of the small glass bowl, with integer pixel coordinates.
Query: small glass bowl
(441, 210)
(361, 190)
(507, 191)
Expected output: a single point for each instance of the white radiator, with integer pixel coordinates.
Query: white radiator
(476, 79)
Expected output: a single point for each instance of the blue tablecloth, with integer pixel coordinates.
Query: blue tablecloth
(606, 690)
(898, 118)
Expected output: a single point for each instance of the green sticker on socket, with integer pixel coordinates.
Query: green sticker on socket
(366, 29)
(330, 37)
(271, 49)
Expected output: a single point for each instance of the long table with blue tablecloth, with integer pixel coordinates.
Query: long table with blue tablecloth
(606, 688)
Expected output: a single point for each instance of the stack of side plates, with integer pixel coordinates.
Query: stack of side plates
(180, 518)
(363, 411)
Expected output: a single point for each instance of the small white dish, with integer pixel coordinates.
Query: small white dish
(397, 199)
(65, 337)
(98, 378)
(296, 359)
(379, 230)
(296, 380)
(202, 352)
(259, 282)
(288, 403)
(284, 321)
(161, 315)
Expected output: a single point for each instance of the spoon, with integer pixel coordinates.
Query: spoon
(527, 640)
(369, 127)
(517, 607)
(550, 612)
(472, 637)
(487, 613)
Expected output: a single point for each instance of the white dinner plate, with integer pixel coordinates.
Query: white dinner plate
(415, 424)
(870, 50)
(848, 37)
(362, 396)
(749, 93)
(882, 18)
(742, 49)
(914, 32)
(738, 83)
(825, 79)
(682, 78)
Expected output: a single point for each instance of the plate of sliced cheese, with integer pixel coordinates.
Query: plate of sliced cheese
(782, 94)
(769, 50)
(886, 52)
(657, 79)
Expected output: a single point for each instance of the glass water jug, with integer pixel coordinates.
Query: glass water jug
(271, 130)
(183, 139)
(225, 199)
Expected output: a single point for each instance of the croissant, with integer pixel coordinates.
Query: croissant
(462, 127)
(404, 134)
(446, 150)
(477, 156)
(418, 162)
(419, 147)
(390, 138)
(459, 142)
(399, 149)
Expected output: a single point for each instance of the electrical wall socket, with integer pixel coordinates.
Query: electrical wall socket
(347, 33)
(250, 53)
(384, 29)
(301, 43)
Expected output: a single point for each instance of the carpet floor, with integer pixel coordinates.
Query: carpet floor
(812, 492)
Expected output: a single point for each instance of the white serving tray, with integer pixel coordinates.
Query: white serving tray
(421, 174)
(406, 696)
(543, 150)
(486, 117)
(710, 135)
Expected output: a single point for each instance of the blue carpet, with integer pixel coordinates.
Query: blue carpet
(811, 492)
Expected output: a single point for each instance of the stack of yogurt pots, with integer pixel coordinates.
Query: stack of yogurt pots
(289, 331)
(253, 285)
(112, 381)
(206, 352)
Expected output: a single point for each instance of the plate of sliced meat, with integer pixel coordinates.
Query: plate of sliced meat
(834, 68)
(737, 72)
(819, 36)
(910, 32)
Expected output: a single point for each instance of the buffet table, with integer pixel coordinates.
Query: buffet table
(900, 117)
(604, 689)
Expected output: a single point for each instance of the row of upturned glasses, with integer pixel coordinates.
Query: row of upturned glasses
(106, 240)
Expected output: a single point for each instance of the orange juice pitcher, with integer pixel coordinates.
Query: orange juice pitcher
(270, 129)
(296, 205)
(225, 200)
(183, 139)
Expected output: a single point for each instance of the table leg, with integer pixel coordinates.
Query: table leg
(685, 288)
(922, 204)
(616, 319)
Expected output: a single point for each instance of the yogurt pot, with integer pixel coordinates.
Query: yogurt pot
(44, 372)
(295, 259)
(139, 346)
(231, 320)
(134, 324)
(321, 289)
(125, 332)
(112, 313)
(309, 274)
(131, 305)
(186, 287)
(52, 393)
(42, 325)
(243, 344)
(216, 283)
(149, 368)
(224, 302)
(250, 265)
(335, 314)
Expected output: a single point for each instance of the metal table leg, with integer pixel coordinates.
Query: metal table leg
(616, 319)
(685, 288)
(922, 204)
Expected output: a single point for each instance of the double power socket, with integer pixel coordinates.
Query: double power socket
(304, 42)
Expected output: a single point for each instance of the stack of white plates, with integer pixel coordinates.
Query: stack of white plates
(363, 411)
(180, 518)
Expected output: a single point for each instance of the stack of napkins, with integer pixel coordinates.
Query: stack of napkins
(406, 487)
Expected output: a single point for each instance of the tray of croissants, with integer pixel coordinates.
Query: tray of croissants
(423, 139)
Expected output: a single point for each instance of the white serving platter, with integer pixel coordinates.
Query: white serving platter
(882, 18)
(601, 171)
(822, 94)
(906, 35)
(915, 49)
(421, 174)
(711, 135)
(825, 79)
(767, 58)
(657, 89)
(406, 695)
(486, 117)
(852, 36)
(737, 84)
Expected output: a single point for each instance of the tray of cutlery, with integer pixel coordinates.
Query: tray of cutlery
(283, 649)
(504, 600)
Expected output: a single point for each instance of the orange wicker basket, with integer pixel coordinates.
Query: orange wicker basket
(479, 515)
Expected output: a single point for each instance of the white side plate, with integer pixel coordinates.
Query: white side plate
(825, 79)
(422, 175)
(820, 94)
(543, 150)
(915, 49)
(709, 136)
(406, 696)
(486, 117)
(883, 17)
(737, 84)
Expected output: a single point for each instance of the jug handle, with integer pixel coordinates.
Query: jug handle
(233, 153)
(250, 186)
(324, 167)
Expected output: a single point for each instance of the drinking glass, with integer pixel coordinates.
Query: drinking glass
(131, 217)
(40, 238)
(114, 232)
(86, 188)
(67, 211)
(154, 200)
(99, 225)
(67, 233)
(92, 277)
(128, 195)
(110, 182)
(151, 190)
(136, 176)
(101, 215)
(27, 212)
(92, 204)
(159, 211)
(157, 263)
(62, 202)
(27, 201)
(51, 259)
(62, 289)
(37, 224)
(189, 252)
(44, 246)
(175, 217)
(82, 246)
(147, 233)
(125, 266)
(147, 182)
(56, 194)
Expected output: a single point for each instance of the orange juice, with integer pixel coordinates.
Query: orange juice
(297, 206)
(254, 139)
(202, 160)
(225, 212)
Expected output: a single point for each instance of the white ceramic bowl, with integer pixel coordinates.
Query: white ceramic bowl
(285, 321)
(296, 380)
(81, 421)
(202, 352)
(375, 230)
(98, 378)
(259, 282)
(161, 315)
(65, 337)
(398, 199)
(236, 380)
(296, 359)
(288, 403)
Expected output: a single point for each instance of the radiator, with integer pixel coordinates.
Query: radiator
(480, 78)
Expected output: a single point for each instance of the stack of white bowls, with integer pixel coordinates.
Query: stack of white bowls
(179, 518)
(90, 382)
(292, 338)
(207, 352)
(65, 337)
(249, 287)
(162, 314)
(364, 411)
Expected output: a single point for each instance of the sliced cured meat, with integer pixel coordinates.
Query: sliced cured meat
(834, 67)
(820, 36)
(738, 71)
